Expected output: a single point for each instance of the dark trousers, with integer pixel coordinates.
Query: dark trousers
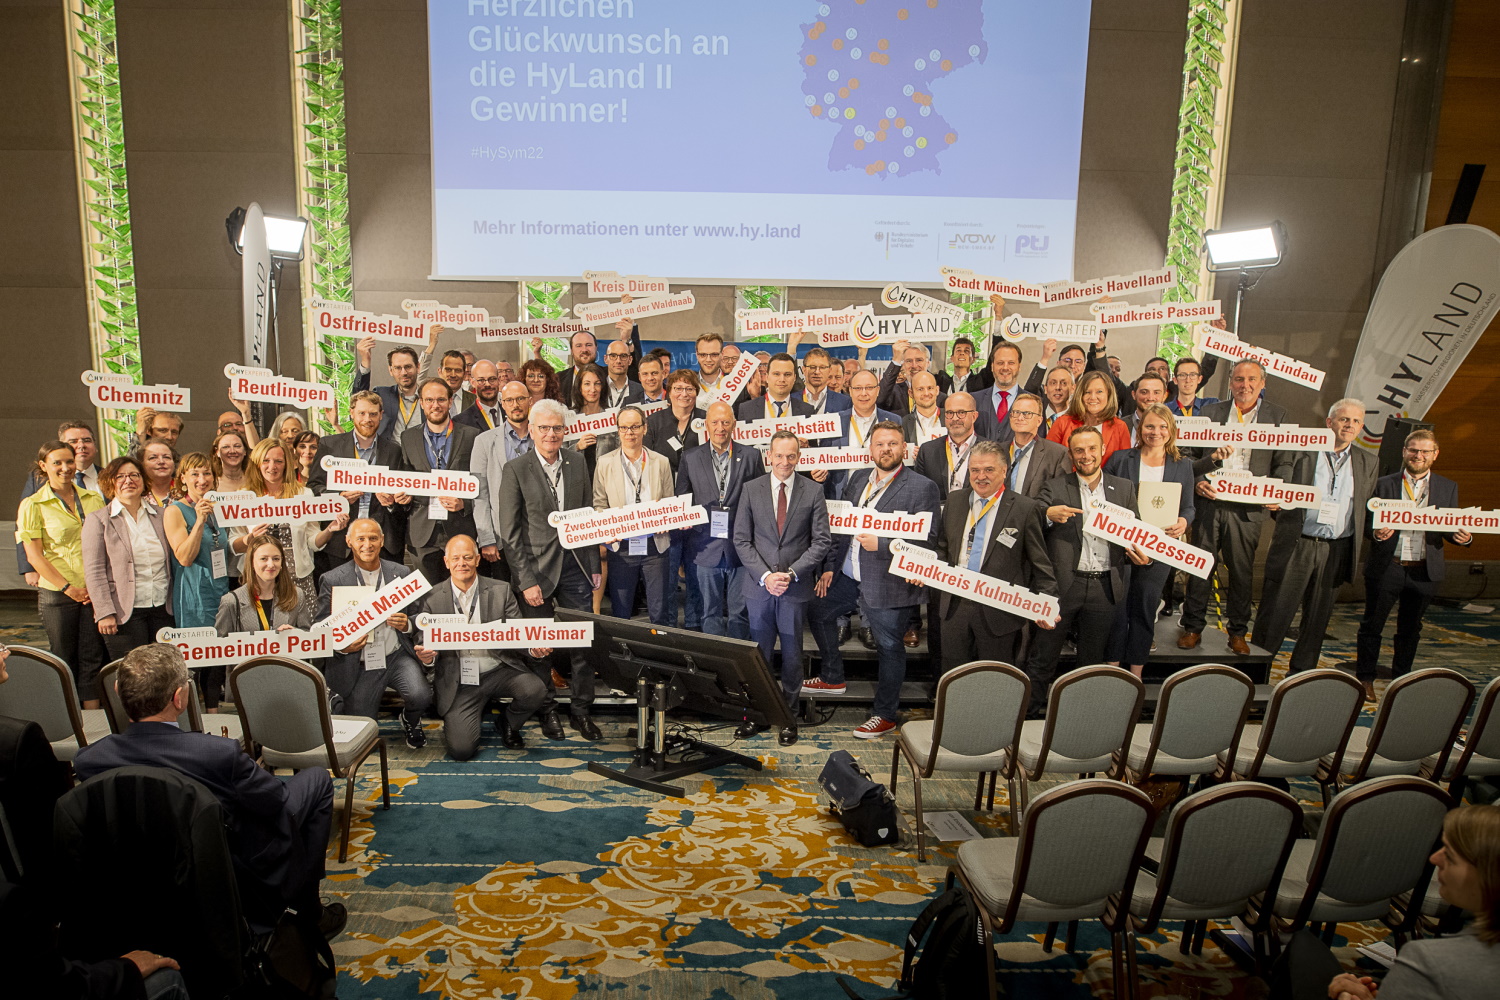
(778, 617)
(1135, 617)
(139, 630)
(678, 556)
(361, 689)
(526, 690)
(576, 593)
(1090, 603)
(74, 639)
(887, 625)
(1409, 590)
(625, 571)
(433, 567)
(1309, 575)
(723, 591)
(1232, 538)
(309, 801)
(967, 635)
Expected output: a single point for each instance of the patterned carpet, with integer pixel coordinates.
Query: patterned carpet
(526, 875)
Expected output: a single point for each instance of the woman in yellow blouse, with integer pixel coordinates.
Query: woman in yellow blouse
(50, 526)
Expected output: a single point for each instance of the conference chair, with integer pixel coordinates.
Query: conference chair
(1309, 717)
(1222, 846)
(1479, 755)
(1200, 714)
(194, 720)
(1373, 846)
(1080, 844)
(1091, 713)
(283, 706)
(41, 690)
(114, 707)
(974, 727)
(1419, 717)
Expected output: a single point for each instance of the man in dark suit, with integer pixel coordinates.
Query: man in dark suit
(964, 377)
(1314, 552)
(945, 460)
(781, 379)
(387, 510)
(1032, 460)
(439, 444)
(619, 388)
(360, 672)
(995, 402)
(400, 408)
(856, 425)
(817, 366)
(998, 532)
(1405, 568)
(582, 350)
(1149, 390)
(1188, 377)
(856, 575)
(1091, 573)
(781, 536)
(485, 412)
(466, 681)
(714, 474)
(542, 572)
(897, 383)
(278, 830)
(1232, 530)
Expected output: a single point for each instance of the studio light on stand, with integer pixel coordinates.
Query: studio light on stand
(285, 237)
(1251, 252)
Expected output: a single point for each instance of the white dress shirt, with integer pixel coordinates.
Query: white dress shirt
(1093, 556)
(1240, 460)
(148, 554)
(1412, 545)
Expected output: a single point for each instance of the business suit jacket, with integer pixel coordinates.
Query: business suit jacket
(910, 432)
(565, 378)
(530, 543)
(348, 575)
(1289, 520)
(1065, 541)
(1048, 461)
(1127, 465)
(932, 462)
(695, 478)
(473, 416)
(985, 425)
(893, 394)
(1263, 461)
(980, 378)
(833, 486)
(1026, 563)
(633, 393)
(836, 402)
(422, 529)
(1442, 492)
(109, 560)
(496, 603)
(389, 404)
(392, 519)
(237, 614)
(799, 549)
(612, 490)
(487, 460)
(661, 434)
(878, 587)
(756, 409)
(1176, 407)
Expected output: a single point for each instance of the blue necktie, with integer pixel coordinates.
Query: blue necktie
(976, 550)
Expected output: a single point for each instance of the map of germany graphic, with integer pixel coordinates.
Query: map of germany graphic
(869, 66)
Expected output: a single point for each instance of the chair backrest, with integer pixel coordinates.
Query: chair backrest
(114, 707)
(979, 710)
(1484, 734)
(1309, 717)
(1420, 716)
(1091, 712)
(1081, 842)
(41, 690)
(1375, 841)
(195, 707)
(1200, 712)
(1225, 844)
(283, 704)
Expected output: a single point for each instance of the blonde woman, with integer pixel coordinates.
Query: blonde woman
(201, 550)
(227, 457)
(269, 473)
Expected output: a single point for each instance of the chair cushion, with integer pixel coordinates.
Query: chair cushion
(1294, 887)
(918, 736)
(95, 727)
(1271, 767)
(990, 865)
(215, 722)
(1479, 765)
(345, 750)
(1029, 751)
(1165, 763)
(1359, 742)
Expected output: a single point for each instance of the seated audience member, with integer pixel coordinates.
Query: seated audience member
(201, 549)
(127, 562)
(266, 599)
(359, 672)
(1094, 405)
(158, 461)
(465, 682)
(278, 830)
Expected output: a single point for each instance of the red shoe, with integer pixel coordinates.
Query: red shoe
(819, 686)
(875, 728)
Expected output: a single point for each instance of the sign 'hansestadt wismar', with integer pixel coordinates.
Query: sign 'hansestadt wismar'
(457, 632)
(1404, 515)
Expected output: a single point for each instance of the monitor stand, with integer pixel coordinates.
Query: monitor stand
(656, 690)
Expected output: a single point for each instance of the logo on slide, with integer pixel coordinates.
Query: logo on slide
(1030, 245)
(973, 241)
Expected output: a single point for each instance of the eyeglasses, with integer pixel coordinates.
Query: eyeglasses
(631, 427)
(514, 399)
(127, 477)
(1421, 451)
(617, 355)
(709, 357)
(1025, 413)
(547, 428)
(958, 413)
(1183, 375)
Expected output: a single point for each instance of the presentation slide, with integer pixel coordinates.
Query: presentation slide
(842, 142)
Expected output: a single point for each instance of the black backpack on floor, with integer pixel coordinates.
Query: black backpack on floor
(865, 806)
(952, 966)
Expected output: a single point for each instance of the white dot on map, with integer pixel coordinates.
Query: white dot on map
(934, 55)
(926, 110)
(909, 151)
(851, 34)
(890, 112)
(855, 53)
(974, 51)
(822, 10)
(908, 90)
(828, 97)
(892, 166)
(920, 64)
(833, 112)
(833, 74)
(907, 133)
(859, 130)
(810, 100)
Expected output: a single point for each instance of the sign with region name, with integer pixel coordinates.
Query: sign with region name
(913, 562)
(898, 296)
(243, 509)
(813, 459)
(1405, 515)
(1017, 327)
(434, 313)
(1118, 314)
(650, 408)
(354, 621)
(204, 647)
(1118, 526)
(579, 424)
(340, 319)
(730, 385)
(1242, 487)
(110, 391)
(527, 329)
(824, 323)
(604, 311)
(586, 526)
(1062, 293)
(844, 518)
(611, 285)
(349, 474)
(1201, 432)
(759, 432)
(261, 385)
(919, 328)
(456, 632)
(1229, 346)
(962, 279)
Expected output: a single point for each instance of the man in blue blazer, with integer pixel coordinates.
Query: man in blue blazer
(714, 474)
(994, 403)
(278, 830)
(781, 378)
(816, 368)
(856, 575)
(1405, 568)
(1188, 376)
(856, 424)
(781, 536)
(401, 408)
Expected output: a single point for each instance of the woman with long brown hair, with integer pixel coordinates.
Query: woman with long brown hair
(1093, 405)
(267, 599)
(540, 380)
(227, 457)
(269, 473)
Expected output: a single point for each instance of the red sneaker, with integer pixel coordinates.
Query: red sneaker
(819, 686)
(875, 728)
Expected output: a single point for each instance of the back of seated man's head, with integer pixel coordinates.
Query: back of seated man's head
(149, 676)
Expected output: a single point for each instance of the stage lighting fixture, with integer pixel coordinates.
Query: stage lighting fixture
(284, 236)
(1245, 249)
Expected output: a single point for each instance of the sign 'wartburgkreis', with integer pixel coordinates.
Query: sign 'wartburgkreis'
(916, 563)
(457, 632)
(348, 625)
(346, 474)
(204, 647)
(243, 509)
(262, 385)
(110, 391)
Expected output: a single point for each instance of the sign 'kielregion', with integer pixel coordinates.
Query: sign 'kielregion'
(349, 474)
(813, 459)
(1229, 346)
(339, 319)
(243, 509)
(110, 391)
(262, 385)
(844, 518)
(1405, 515)
(586, 526)
(1118, 526)
(527, 329)
(357, 619)
(1242, 487)
(612, 285)
(599, 313)
(1201, 432)
(434, 313)
(204, 647)
(898, 296)
(458, 633)
(915, 563)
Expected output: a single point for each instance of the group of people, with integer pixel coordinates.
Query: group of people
(1007, 469)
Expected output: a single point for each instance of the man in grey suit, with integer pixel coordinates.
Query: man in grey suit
(466, 681)
(359, 672)
(1091, 573)
(438, 444)
(1232, 530)
(542, 572)
(1314, 552)
(781, 536)
(492, 449)
(1032, 460)
(389, 511)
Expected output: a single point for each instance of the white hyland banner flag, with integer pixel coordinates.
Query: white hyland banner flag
(1432, 305)
(255, 286)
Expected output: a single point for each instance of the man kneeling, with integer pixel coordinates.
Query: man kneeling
(465, 681)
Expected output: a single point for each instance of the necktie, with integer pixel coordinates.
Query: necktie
(78, 480)
(1002, 408)
(1016, 460)
(976, 550)
(781, 509)
(779, 407)
(494, 417)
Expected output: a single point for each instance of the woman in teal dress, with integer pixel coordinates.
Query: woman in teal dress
(203, 559)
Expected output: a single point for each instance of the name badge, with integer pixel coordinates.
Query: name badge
(718, 523)
(220, 563)
(373, 655)
(436, 511)
(676, 443)
(468, 668)
(1009, 541)
(1328, 512)
(638, 545)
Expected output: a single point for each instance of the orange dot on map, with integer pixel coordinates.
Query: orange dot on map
(950, 138)
(812, 60)
(931, 4)
(884, 123)
(820, 26)
(843, 92)
(901, 123)
(879, 164)
(817, 110)
(859, 144)
(880, 136)
(947, 64)
(869, 168)
(838, 43)
(854, 83)
(883, 44)
(902, 14)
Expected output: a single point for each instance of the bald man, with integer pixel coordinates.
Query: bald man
(484, 414)
(925, 421)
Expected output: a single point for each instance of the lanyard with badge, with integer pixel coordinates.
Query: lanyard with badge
(260, 612)
(872, 492)
(406, 414)
(373, 655)
(718, 518)
(854, 431)
(636, 479)
(957, 462)
(975, 520)
(468, 660)
(1328, 510)
(437, 459)
(217, 557)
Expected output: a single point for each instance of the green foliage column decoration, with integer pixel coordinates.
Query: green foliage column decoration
(1202, 138)
(547, 300)
(323, 185)
(975, 327)
(104, 204)
(759, 297)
